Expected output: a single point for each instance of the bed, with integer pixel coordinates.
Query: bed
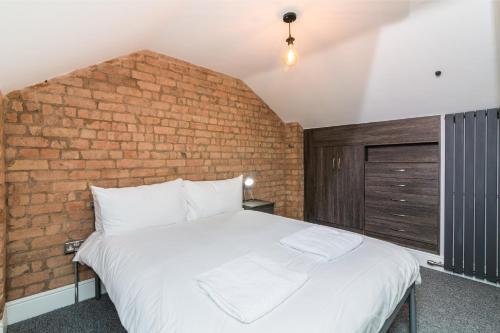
(149, 276)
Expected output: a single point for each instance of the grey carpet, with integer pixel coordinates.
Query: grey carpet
(448, 303)
(445, 303)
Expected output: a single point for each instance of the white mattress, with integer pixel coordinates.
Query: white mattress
(149, 276)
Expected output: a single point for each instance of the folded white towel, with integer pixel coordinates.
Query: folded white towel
(251, 286)
(324, 241)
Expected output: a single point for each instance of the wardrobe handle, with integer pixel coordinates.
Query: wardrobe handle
(399, 185)
(339, 163)
(333, 163)
(400, 170)
(400, 215)
(399, 200)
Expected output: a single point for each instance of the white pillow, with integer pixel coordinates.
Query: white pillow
(207, 198)
(119, 210)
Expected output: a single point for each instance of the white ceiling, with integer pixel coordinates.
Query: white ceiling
(359, 60)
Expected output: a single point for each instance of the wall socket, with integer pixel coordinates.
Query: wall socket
(72, 246)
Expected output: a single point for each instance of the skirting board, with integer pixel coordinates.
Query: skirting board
(35, 305)
(422, 258)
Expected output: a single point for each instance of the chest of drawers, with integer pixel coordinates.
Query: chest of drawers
(402, 199)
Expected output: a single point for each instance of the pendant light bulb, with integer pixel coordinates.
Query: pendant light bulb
(291, 55)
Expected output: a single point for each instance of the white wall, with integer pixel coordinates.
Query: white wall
(387, 71)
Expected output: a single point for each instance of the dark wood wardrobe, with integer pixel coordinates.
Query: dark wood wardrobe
(380, 179)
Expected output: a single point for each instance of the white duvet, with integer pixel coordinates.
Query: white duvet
(150, 277)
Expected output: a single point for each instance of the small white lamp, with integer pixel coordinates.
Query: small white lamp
(248, 182)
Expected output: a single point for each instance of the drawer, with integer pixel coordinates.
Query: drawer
(422, 152)
(422, 246)
(427, 216)
(402, 186)
(401, 200)
(402, 170)
(417, 232)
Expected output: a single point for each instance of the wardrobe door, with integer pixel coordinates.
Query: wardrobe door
(350, 187)
(324, 185)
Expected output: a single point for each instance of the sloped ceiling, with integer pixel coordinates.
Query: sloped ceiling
(360, 60)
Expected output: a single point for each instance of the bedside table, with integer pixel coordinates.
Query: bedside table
(259, 205)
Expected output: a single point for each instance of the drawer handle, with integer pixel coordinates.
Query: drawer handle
(398, 230)
(399, 200)
(400, 215)
(400, 170)
(399, 185)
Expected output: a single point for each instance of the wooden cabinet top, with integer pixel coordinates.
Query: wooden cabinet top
(413, 130)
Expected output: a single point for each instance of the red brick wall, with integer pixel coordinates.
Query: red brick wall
(2, 210)
(139, 119)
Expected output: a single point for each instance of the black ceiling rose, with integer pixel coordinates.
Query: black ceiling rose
(289, 17)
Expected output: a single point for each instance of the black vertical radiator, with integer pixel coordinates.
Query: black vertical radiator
(472, 183)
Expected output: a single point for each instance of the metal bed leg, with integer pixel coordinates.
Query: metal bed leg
(412, 310)
(97, 287)
(75, 269)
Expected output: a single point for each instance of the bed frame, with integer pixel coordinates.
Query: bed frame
(409, 297)
(97, 283)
